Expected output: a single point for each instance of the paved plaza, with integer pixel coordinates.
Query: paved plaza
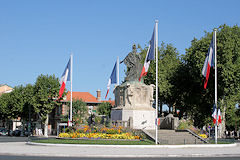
(69, 150)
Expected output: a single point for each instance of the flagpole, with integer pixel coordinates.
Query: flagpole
(156, 121)
(71, 89)
(117, 71)
(215, 51)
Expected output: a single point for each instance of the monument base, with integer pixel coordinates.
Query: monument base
(138, 119)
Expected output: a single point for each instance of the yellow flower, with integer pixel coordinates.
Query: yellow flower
(203, 135)
(63, 135)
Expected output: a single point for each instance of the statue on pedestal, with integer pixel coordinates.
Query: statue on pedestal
(134, 99)
(134, 66)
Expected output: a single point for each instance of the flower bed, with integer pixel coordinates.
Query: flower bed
(184, 125)
(87, 132)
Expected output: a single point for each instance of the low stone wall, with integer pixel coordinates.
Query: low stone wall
(118, 123)
(169, 122)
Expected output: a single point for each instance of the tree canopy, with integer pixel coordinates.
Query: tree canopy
(46, 92)
(79, 111)
(168, 62)
(197, 102)
(180, 80)
(39, 98)
(104, 109)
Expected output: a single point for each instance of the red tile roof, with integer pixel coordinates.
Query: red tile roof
(85, 96)
(110, 101)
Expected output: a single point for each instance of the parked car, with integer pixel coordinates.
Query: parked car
(17, 132)
(3, 131)
(10, 132)
(27, 133)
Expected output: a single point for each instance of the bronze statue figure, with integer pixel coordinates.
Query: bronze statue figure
(134, 66)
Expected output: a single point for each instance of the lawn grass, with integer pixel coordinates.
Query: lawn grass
(84, 141)
(222, 141)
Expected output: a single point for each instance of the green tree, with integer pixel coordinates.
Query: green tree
(196, 101)
(79, 111)
(5, 111)
(16, 101)
(104, 109)
(12, 104)
(28, 98)
(168, 62)
(46, 91)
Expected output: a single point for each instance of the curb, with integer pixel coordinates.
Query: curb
(137, 146)
(121, 156)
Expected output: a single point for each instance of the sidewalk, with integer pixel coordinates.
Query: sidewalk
(64, 150)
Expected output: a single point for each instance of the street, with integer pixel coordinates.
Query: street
(4, 157)
(16, 148)
(12, 139)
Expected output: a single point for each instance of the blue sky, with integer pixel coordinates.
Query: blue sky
(36, 37)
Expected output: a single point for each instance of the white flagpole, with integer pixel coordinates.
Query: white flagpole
(117, 71)
(156, 121)
(70, 124)
(215, 50)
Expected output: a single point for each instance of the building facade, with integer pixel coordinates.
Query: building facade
(91, 101)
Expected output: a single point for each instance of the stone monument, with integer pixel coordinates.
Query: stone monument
(134, 99)
(134, 66)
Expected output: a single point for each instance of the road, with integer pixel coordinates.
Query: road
(16, 148)
(4, 157)
(4, 139)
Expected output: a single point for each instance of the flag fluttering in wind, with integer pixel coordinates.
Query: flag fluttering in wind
(219, 116)
(214, 115)
(112, 79)
(149, 56)
(65, 77)
(209, 62)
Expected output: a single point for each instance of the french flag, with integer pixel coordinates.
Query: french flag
(112, 79)
(214, 115)
(65, 77)
(209, 62)
(149, 56)
(219, 116)
(69, 120)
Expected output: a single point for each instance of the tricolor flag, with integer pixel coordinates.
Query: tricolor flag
(209, 62)
(65, 77)
(112, 79)
(69, 120)
(214, 115)
(149, 56)
(219, 117)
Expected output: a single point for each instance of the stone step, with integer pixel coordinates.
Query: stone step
(177, 137)
(177, 142)
(191, 138)
(173, 137)
(180, 139)
(185, 134)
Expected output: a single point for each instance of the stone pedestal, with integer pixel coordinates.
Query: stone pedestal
(141, 119)
(133, 103)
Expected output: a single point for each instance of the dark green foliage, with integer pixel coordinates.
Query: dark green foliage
(12, 104)
(79, 111)
(104, 109)
(5, 111)
(39, 98)
(180, 80)
(194, 100)
(168, 63)
(46, 92)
